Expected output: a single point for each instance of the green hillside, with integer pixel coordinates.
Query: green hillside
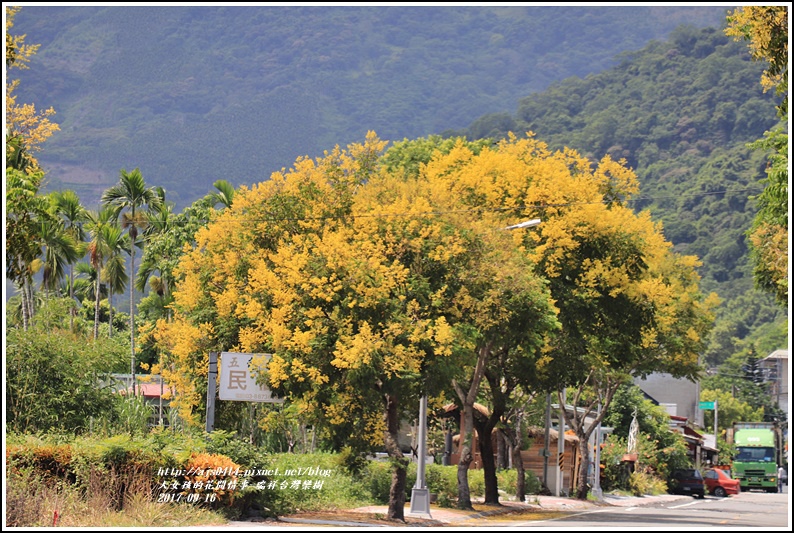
(681, 112)
(194, 94)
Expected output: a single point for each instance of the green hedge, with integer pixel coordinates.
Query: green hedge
(158, 466)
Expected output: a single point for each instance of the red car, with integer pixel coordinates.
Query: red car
(720, 483)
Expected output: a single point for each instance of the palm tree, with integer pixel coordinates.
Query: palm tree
(105, 257)
(225, 194)
(84, 282)
(131, 195)
(115, 271)
(97, 250)
(67, 206)
(157, 258)
(58, 248)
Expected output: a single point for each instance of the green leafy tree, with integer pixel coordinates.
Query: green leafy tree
(747, 387)
(54, 378)
(729, 410)
(663, 450)
(59, 249)
(511, 315)
(159, 221)
(36, 240)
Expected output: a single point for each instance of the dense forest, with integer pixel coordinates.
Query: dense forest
(195, 94)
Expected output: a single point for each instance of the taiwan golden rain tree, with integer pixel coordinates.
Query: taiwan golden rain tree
(627, 304)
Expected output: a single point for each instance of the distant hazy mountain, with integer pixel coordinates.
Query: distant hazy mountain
(194, 94)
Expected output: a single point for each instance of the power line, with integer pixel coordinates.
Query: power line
(519, 210)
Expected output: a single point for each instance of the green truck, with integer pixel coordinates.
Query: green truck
(759, 451)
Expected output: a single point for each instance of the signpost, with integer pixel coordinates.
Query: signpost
(237, 382)
(711, 405)
(238, 379)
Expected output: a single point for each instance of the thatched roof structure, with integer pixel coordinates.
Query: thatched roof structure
(537, 431)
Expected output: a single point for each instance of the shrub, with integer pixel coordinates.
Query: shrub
(476, 482)
(641, 483)
(312, 481)
(52, 377)
(507, 481)
(211, 475)
(376, 480)
(443, 481)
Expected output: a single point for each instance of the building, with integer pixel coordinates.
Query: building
(679, 396)
(153, 391)
(775, 368)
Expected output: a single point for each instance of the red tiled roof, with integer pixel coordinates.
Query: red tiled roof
(149, 390)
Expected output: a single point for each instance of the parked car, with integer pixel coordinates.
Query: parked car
(720, 483)
(687, 481)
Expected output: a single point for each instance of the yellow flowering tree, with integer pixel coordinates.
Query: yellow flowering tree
(628, 305)
(26, 128)
(366, 295)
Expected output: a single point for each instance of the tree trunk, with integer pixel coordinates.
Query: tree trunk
(501, 451)
(132, 313)
(485, 433)
(25, 306)
(396, 510)
(485, 428)
(584, 466)
(96, 307)
(521, 488)
(576, 420)
(72, 309)
(466, 457)
(467, 431)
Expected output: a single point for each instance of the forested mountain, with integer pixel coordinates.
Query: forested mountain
(681, 113)
(195, 94)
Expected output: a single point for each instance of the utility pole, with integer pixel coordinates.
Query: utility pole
(547, 442)
(715, 425)
(561, 447)
(597, 467)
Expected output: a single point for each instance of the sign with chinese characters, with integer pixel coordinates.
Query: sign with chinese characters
(238, 378)
(706, 405)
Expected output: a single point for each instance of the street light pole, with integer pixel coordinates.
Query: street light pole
(420, 495)
(529, 224)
